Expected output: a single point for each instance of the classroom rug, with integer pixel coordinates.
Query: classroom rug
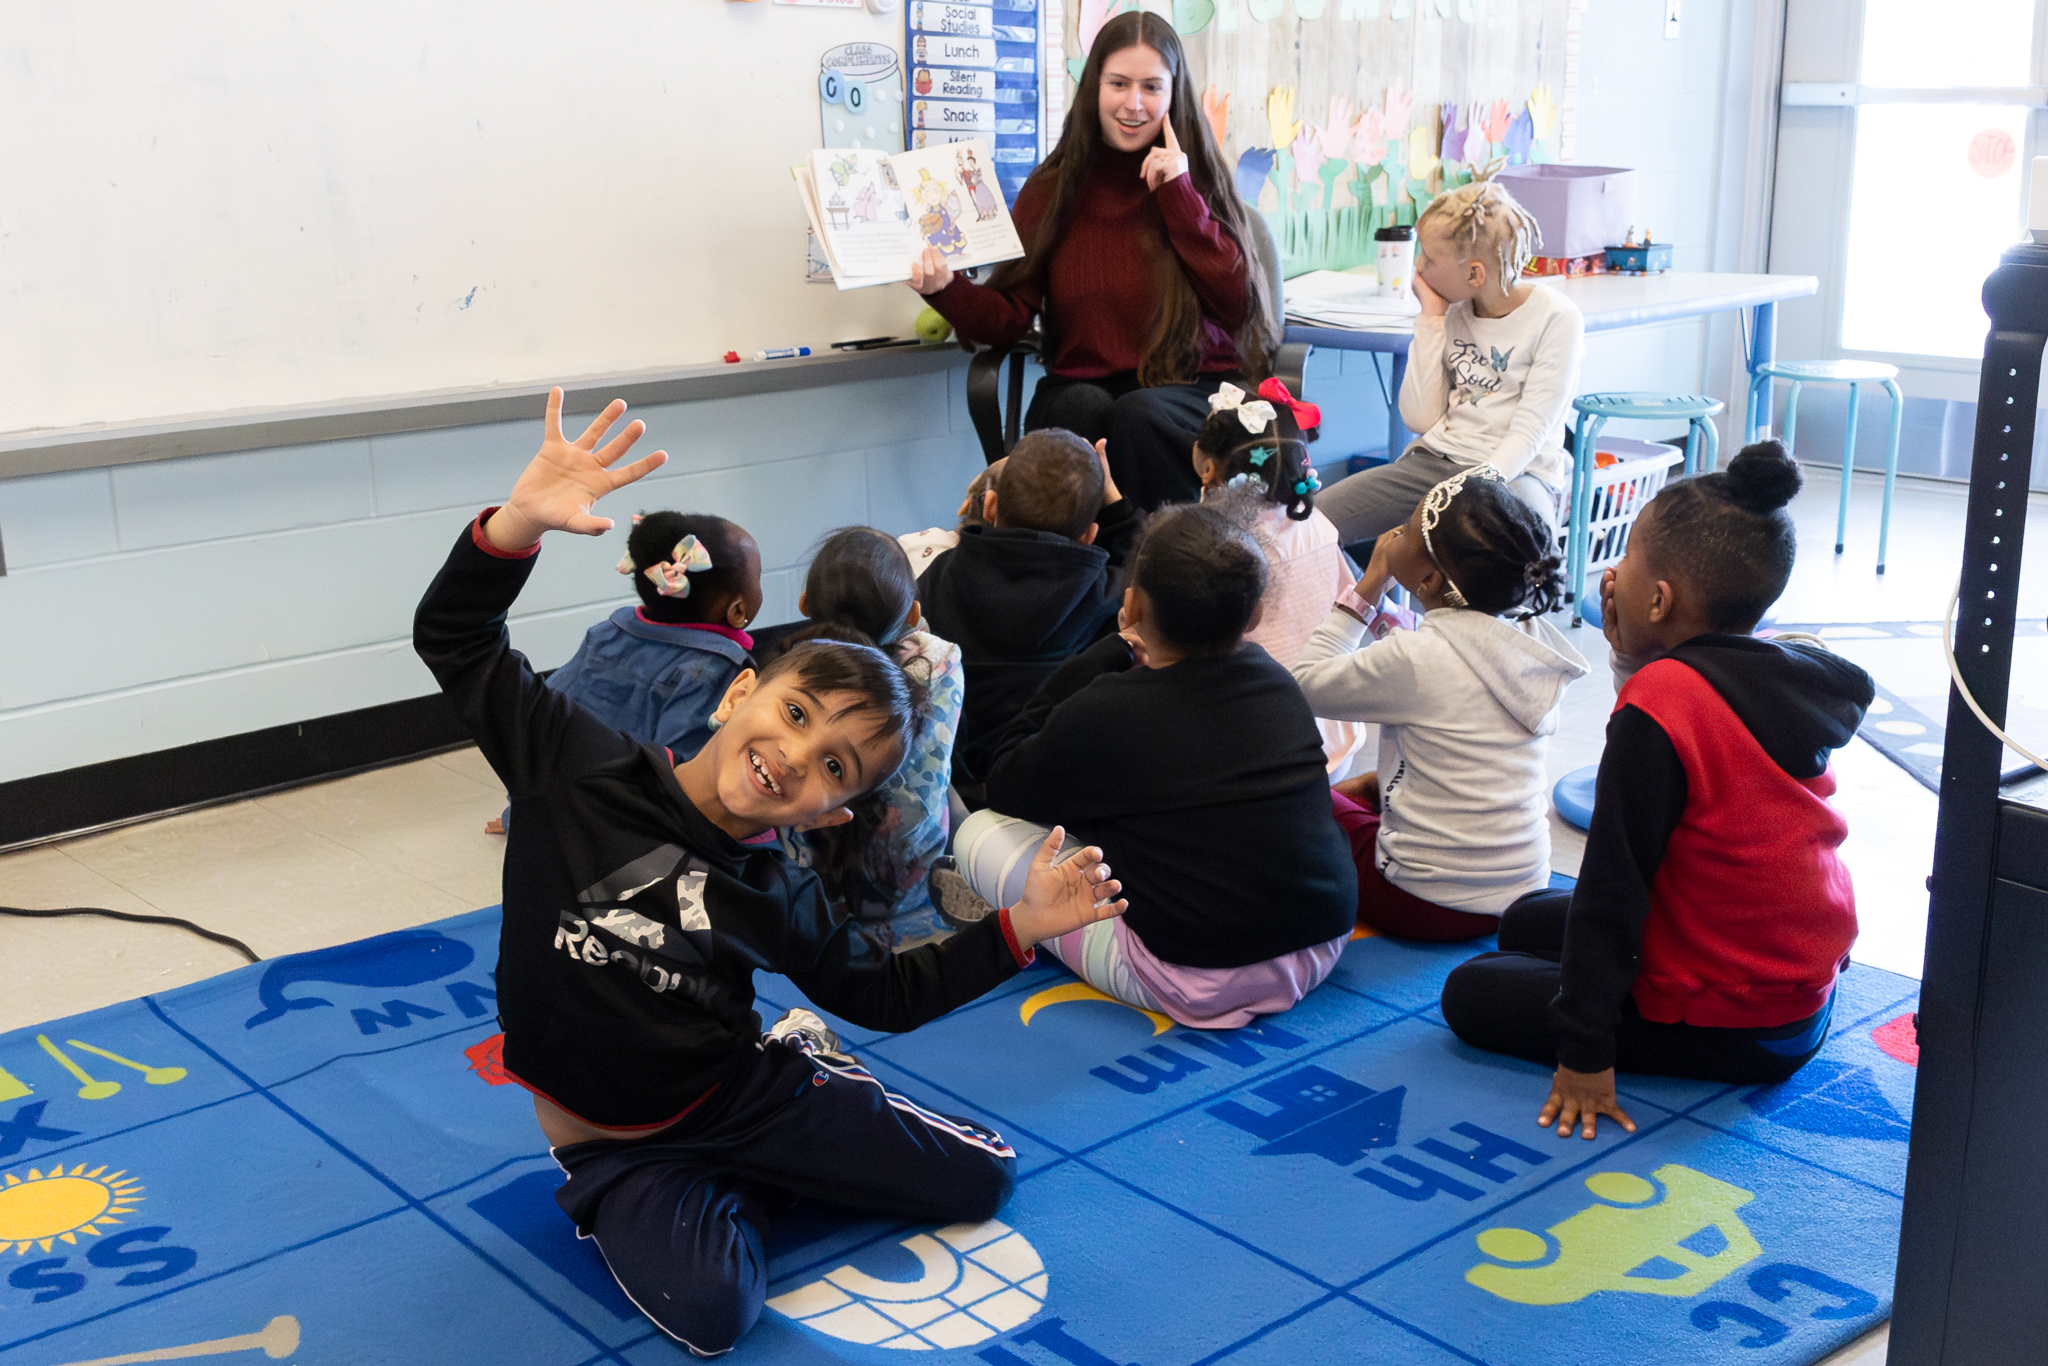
(318, 1158)
(1906, 723)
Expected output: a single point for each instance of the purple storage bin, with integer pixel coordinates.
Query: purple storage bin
(1582, 210)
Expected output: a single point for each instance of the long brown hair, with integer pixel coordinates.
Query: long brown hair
(1173, 350)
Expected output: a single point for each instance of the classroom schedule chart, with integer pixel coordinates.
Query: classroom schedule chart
(974, 73)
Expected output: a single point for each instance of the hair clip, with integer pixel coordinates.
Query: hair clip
(1256, 415)
(1260, 454)
(1240, 481)
(1434, 504)
(671, 578)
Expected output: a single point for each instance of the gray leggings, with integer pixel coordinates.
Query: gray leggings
(1379, 499)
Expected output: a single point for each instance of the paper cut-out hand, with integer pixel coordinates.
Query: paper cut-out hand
(1497, 123)
(1399, 104)
(1422, 158)
(1336, 134)
(1280, 120)
(1543, 112)
(1216, 109)
(1254, 164)
(1453, 148)
(1308, 154)
(1064, 897)
(566, 478)
(1369, 142)
(1093, 15)
(1521, 137)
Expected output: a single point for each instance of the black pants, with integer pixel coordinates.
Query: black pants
(681, 1218)
(1151, 432)
(1501, 1002)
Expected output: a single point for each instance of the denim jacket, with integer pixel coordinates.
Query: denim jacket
(657, 683)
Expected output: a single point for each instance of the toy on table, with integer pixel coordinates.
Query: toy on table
(1639, 258)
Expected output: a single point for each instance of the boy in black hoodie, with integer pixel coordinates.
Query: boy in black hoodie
(641, 897)
(1712, 912)
(1032, 588)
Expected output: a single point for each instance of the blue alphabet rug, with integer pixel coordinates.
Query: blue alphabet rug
(318, 1158)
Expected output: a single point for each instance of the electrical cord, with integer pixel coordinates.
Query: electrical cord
(224, 939)
(1948, 650)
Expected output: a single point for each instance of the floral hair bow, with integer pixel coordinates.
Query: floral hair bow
(671, 578)
(1256, 415)
(1307, 416)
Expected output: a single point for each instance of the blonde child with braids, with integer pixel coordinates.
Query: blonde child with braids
(1491, 373)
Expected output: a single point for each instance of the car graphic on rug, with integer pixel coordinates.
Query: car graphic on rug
(1632, 1242)
(977, 1280)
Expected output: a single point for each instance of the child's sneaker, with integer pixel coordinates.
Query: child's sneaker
(803, 1030)
(958, 904)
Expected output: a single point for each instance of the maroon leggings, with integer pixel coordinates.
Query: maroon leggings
(1384, 907)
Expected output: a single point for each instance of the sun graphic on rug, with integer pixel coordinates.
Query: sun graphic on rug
(56, 1206)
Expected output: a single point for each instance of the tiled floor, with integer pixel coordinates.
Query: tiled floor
(403, 845)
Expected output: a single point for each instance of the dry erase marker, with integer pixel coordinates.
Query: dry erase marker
(783, 353)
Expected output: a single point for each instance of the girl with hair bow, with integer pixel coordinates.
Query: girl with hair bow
(1253, 452)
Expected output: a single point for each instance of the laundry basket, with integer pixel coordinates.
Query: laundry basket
(1621, 491)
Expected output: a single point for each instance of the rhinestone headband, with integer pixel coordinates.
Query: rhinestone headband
(1434, 505)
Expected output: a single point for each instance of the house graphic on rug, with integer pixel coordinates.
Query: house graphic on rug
(974, 1281)
(1631, 1242)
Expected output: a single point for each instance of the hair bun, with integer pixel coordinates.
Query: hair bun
(1762, 477)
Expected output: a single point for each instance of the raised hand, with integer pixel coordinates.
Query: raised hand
(1581, 1098)
(1110, 492)
(1059, 899)
(1167, 162)
(1216, 109)
(929, 272)
(566, 478)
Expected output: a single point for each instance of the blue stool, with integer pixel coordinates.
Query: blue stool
(1573, 796)
(1855, 374)
(1702, 453)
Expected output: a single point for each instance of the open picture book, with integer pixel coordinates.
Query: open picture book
(874, 213)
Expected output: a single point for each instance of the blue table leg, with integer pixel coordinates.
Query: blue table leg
(1397, 435)
(1763, 349)
(1891, 472)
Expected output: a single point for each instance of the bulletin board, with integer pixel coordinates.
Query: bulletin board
(214, 207)
(1342, 116)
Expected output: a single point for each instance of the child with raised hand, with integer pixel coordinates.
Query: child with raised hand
(1712, 912)
(1453, 829)
(1206, 784)
(1254, 451)
(640, 898)
(923, 546)
(1492, 371)
(874, 866)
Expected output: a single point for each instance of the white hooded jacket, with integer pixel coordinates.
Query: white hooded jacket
(1464, 704)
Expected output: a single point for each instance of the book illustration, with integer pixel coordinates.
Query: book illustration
(938, 207)
(874, 214)
(986, 205)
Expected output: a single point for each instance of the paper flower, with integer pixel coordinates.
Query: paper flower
(1422, 158)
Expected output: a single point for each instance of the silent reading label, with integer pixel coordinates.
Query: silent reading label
(974, 73)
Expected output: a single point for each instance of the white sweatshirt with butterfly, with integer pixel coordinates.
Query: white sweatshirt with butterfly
(1497, 391)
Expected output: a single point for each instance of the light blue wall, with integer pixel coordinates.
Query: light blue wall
(155, 605)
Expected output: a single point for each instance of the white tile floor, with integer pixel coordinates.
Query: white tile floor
(403, 845)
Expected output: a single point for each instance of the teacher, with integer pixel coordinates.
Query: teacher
(1135, 268)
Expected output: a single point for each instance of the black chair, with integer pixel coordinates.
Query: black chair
(999, 420)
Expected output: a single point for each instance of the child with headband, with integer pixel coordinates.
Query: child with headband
(1491, 373)
(1252, 454)
(655, 671)
(1454, 828)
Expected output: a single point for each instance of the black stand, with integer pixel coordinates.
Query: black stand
(1972, 1286)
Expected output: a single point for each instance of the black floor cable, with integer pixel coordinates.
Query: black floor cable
(224, 939)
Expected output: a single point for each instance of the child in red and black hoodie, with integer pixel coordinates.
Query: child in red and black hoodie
(1712, 912)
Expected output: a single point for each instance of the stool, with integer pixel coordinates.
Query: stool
(1855, 374)
(1573, 796)
(1702, 453)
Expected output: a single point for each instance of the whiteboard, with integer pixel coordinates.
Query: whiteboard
(216, 204)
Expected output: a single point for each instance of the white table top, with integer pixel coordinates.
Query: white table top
(1611, 301)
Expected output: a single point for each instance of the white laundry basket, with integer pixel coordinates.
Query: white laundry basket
(1620, 492)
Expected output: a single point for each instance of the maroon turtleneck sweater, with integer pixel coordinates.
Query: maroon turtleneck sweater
(1101, 280)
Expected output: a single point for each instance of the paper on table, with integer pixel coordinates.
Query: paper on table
(1341, 299)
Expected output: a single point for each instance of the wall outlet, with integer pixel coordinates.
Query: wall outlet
(1670, 19)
